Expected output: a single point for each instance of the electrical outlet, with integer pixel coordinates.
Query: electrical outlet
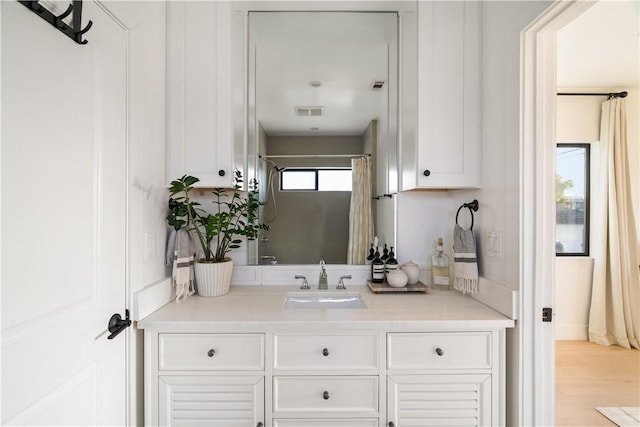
(494, 244)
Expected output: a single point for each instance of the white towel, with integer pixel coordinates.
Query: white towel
(465, 262)
(180, 244)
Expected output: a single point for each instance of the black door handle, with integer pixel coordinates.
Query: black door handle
(117, 324)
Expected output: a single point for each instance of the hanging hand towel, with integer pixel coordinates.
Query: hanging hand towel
(183, 259)
(465, 262)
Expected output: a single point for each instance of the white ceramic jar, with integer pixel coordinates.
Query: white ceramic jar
(397, 279)
(412, 271)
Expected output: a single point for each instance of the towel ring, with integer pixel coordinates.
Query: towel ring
(473, 207)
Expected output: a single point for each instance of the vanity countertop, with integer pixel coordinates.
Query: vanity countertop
(256, 308)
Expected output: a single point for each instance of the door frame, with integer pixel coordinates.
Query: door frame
(537, 213)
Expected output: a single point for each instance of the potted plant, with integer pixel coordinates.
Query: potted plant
(235, 215)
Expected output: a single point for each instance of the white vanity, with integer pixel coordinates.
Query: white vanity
(246, 360)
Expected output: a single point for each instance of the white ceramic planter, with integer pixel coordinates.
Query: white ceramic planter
(213, 279)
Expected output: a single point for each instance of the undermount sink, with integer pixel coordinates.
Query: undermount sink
(324, 300)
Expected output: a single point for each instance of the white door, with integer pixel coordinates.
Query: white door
(64, 170)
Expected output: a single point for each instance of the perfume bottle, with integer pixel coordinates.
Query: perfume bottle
(440, 268)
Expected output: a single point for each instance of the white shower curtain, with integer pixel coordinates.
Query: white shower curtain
(360, 213)
(614, 316)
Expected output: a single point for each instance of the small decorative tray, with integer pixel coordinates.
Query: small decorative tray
(384, 287)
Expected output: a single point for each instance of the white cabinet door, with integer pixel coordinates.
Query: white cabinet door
(447, 151)
(213, 401)
(199, 98)
(439, 400)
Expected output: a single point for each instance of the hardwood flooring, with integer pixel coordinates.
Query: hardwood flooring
(590, 375)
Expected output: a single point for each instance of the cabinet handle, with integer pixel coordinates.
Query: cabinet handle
(391, 424)
(426, 172)
(325, 351)
(211, 352)
(221, 172)
(439, 351)
(260, 424)
(325, 395)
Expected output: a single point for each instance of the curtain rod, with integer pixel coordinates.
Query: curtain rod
(299, 156)
(610, 94)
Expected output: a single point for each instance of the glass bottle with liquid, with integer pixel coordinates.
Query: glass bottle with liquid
(440, 268)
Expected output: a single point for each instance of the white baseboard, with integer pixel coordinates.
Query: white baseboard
(572, 332)
(151, 298)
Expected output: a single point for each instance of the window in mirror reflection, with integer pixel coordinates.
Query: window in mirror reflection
(315, 180)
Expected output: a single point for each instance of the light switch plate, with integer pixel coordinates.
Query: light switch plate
(494, 244)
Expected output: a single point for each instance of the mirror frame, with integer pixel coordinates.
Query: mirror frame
(407, 108)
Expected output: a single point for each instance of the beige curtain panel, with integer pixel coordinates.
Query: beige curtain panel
(360, 213)
(614, 316)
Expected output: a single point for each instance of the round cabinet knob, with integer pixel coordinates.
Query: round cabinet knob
(211, 352)
(392, 424)
(221, 172)
(426, 172)
(260, 424)
(325, 351)
(439, 351)
(325, 395)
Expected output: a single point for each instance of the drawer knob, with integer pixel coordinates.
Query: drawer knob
(426, 172)
(211, 352)
(325, 395)
(221, 172)
(260, 424)
(392, 424)
(439, 351)
(325, 351)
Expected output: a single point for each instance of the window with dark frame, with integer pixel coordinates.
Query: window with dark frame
(572, 199)
(316, 179)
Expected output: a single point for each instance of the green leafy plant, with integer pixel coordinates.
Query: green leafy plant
(235, 214)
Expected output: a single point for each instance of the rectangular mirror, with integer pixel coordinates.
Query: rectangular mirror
(322, 102)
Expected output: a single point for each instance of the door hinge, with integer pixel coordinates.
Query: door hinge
(547, 314)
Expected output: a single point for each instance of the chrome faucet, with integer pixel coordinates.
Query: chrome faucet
(341, 285)
(322, 281)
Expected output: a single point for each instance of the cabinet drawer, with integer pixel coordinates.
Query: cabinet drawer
(459, 350)
(355, 395)
(345, 422)
(325, 352)
(188, 352)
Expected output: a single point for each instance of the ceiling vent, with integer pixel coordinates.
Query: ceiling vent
(377, 84)
(309, 111)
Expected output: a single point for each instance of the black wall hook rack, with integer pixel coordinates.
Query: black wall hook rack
(76, 32)
(472, 206)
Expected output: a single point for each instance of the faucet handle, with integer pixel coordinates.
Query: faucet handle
(341, 282)
(305, 284)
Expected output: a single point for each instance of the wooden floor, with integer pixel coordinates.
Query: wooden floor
(590, 375)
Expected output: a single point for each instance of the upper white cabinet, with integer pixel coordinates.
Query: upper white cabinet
(200, 110)
(446, 152)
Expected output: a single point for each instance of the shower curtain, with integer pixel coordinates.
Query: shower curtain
(614, 317)
(360, 213)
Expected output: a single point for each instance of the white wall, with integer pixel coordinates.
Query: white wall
(148, 196)
(502, 23)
